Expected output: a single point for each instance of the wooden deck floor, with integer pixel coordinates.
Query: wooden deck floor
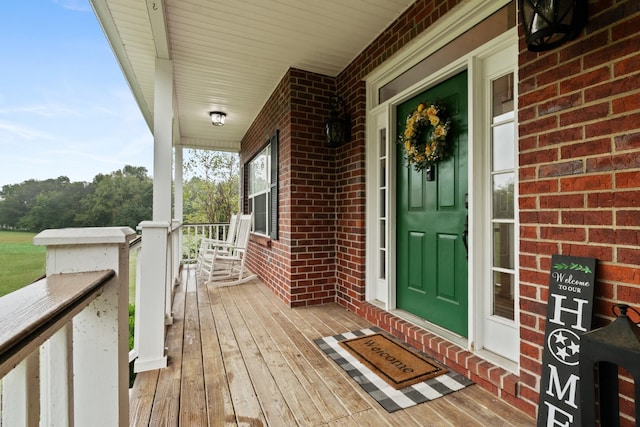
(239, 356)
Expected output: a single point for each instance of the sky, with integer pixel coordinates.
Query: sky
(65, 107)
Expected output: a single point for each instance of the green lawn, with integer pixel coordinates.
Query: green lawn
(20, 261)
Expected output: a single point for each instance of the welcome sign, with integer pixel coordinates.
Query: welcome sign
(569, 313)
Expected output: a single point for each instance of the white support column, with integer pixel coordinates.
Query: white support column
(101, 331)
(163, 140)
(150, 298)
(20, 394)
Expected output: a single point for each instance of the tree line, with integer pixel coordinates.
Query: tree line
(121, 198)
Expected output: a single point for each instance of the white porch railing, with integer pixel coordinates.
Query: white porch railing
(64, 339)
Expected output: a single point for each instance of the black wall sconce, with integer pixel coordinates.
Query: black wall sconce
(549, 23)
(337, 128)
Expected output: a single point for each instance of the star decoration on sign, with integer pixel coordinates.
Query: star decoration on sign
(564, 345)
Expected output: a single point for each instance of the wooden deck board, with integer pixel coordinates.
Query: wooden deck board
(278, 332)
(272, 401)
(219, 407)
(192, 396)
(238, 356)
(142, 397)
(246, 406)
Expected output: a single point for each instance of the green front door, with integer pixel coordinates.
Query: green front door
(431, 253)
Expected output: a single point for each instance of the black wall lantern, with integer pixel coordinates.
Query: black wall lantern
(549, 23)
(337, 128)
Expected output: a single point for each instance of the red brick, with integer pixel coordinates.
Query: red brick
(564, 201)
(612, 126)
(628, 256)
(626, 103)
(571, 234)
(563, 135)
(539, 156)
(627, 66)
(627, 179)
(583, 149)
(584, 114)
(614, 162)
(586, 183)
(561, 169)
(629, 218)
(584, 80)
(587, 217)
(627, 141)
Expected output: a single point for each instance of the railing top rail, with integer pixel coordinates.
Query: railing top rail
(135, 242)
(32, 314)
(213, 224)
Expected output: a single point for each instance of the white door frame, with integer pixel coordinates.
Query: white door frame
(472, 62)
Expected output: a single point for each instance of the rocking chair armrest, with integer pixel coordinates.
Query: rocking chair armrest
(223, 248)
(213, 242)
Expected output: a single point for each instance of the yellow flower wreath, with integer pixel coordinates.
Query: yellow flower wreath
(425, 136)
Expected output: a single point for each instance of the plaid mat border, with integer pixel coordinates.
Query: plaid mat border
(388, 397)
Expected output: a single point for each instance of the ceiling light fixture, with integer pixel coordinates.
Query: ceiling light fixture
(217, 118)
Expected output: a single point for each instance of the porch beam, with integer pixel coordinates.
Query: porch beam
(155, 8)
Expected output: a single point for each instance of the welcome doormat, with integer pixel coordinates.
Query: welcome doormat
(387, 396)
(396, 364)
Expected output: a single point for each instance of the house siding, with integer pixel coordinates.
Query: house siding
(579, 186)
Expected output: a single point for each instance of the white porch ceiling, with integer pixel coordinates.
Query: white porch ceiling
(229, 55)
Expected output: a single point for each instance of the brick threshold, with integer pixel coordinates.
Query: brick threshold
(497, 380)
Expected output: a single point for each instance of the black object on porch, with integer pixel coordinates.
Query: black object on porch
(615, 345)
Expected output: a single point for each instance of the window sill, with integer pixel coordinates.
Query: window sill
(260, 240)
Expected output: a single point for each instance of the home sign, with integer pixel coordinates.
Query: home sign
(569, 313)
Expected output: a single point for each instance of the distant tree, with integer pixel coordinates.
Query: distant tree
(17, 200)
(212, 187)
(122, 198)
(55, 208)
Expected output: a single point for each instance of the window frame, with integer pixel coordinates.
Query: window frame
(271, 190)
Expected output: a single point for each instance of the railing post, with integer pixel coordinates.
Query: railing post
(177, 250)
(100, 392)
(150, 297)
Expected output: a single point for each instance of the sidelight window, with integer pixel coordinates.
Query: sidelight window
(503, 176)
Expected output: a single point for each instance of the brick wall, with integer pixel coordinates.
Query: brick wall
(579, 114)
(271, 259)
(312, 189)
(300, 265)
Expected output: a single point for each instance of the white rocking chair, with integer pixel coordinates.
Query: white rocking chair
(209, 242)
(223, 263)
